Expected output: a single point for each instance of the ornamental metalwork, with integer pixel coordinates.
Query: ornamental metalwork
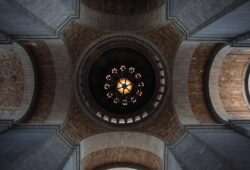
(124, 85)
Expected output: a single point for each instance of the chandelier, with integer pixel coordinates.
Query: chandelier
(123, 85)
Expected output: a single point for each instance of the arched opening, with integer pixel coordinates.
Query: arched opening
(53, 67)
(121, 150)
(17, 82)
(227, 81)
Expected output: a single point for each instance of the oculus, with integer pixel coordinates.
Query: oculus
(121, 81)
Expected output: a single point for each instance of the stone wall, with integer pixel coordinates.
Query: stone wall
(121, 155)
(122, 147)
(212, 147)
(118, 15)
(196, 82)
(34, 147)
(231, 25)
(11, 81)
(45, 80)
(36, 18)
(17, 82)
(54, 77)
(213, 19)
(192, 14)
(231, 82)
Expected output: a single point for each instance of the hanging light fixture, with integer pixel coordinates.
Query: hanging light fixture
(124, 85)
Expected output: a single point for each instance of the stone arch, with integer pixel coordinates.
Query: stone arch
(226, 84)
(122, 147)
(17, 82)
(181, 99)
(54, 75)
(189, 75)
(63, 71)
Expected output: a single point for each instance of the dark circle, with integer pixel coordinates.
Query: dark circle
(114, 58)
(98, 61)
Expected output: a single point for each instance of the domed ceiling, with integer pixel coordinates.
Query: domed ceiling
(125, 65)
(122, 80)
(120, 75)
(91, 48)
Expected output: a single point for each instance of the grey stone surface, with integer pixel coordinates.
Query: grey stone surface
(242, 126)
(72, 163)
(214, 84)
(180, 82)
(29, 80)
(31, 147)
(213, 19)
(62, 98)
(4, 39)
(5, 125)
(231, 25)
(233, 147)
(171, 162)
(122, 139)
(192, 13)
(213, 147)
(35, 18)
(117, 22)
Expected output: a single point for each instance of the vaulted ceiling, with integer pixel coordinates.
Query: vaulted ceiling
(202, 45)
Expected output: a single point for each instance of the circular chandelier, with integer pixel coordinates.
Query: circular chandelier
(124, 85)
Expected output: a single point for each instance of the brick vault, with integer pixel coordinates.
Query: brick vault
(61, 63)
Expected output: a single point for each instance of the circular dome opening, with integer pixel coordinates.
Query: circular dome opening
(121, 81)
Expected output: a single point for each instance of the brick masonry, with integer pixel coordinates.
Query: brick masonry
(196, 82)
(46, 80)
(167, 40)
(78, 38)
(231, 84)
(11, 81)
(165, 125)
(122, 155)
